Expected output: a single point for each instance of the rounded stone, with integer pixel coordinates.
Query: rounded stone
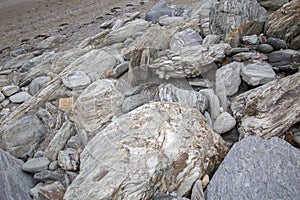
(265, 48)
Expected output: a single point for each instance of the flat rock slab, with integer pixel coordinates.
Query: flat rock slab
(158, 147)
(268, 110)
(256, 168)
(36, 165)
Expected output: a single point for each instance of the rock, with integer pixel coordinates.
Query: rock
(211, 40)
(213, 103)
(117, 24)
(226, 15)
(154, 148)
(245, 56)
(46, 176)
(75, 142)
(205, 181)
(228, 77)
(46, 117)
(37, 83)
(170, 93)
(185, 38)
(15, 184)
(76, 80)
(170, 21)
(120, 69)
(20, 97)
(277, 43)
(66, 104)
(10, 90)
(197, 192)
(268, 110)
(23, 136)
(18, 52)
(133, 102)
(285, 24)
(188, 62)
(69, 159)
(2, 97)
(35, 165)
(272, 5)
(257, 73)
(96, 105)
(53, 191)
(224, 123)
(202, 83)
(284, 57)
(59, 140)
(51, 42)
(160, 9)
(53, 165)
(265, 48)
(251, 39)
(256, 166)
(238, 50)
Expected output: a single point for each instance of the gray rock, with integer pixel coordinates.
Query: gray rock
(51, 42)
(128, 42)
(133, 102)
(170, 93)
(2, 97)
(46, 117)
(277, 43)
(211, 40)
(257, 73)
(160, 9)
(53, 165)
(14, 183)
(18, 52)
(185, 38)
(20, 97)
(272, 4)
(10, 90)
(170, 21)
(35, 165)
(68, 159)
(284, 57)
(76, 80)
(153, 148)
(237, 50)
(59, 140)
(208, 118)
(246, 56)
(197, 192)
(23, 136)
(224, 123)
(46, 176)
(255, 166)
(226, 15)
(120, 69)
(268, 110)
(37, 83)
(75, 142)
(213, 103)
(53, 191)
(117, 24)
(251, 39)
(228, 77)
(265, 48)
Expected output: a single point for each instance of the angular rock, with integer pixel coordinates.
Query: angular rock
(226, 15)
(10, 90)
(96, 105)
(35, 165)
(53, 165)
(268, 110)
(66, 104)
(76, 80)
(272, 4)
(2, 97)
(46, 176)
(46, 117)
(154, 148)
(23, 136)
(284, 57)
(265, 48)
(69, 159)
(257, 73)
(37, 83)
(20, 97)
(170, 93)
(277, 43)
(133, 102)
(285, 24)
(59, 140)
(251, 39)
(185, 38)
(120, 69)
(160, 9)
(224, 123)
(53, 191)
(255, 166)
(213, 103)
(15, 184)
(245, 56)
(51, 42)
(211, 40)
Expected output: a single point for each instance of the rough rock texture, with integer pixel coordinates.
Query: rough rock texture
(224, 123)
(23, 136)
(285, 24)
(53, 191)
(226, 15)
(272, 4)
(36, 165)
(14, 183)
(68, 159)
(284, 57)
(213, 102)
(158, 147)
(268, 110)
(160, 9)
(96, 105)
(184, 38)
(257, 169)
(76, 80)
(170, 93)
(38, 83)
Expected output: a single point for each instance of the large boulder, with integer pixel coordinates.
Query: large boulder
(226, 15)
(285, 24)
(160, 9)
(268, 110)
(272, 4)
(14, 183)
(257, 169)
(156, 148)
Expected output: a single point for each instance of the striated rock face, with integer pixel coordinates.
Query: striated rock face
(257, 169)
(268, 110)
(14, 183)
(158, 147)
(285, 24)
(226, 15)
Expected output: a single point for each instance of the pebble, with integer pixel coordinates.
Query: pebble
(277, 43)
(224, 123)
(265, 48)
(20, 97)
(10, 90)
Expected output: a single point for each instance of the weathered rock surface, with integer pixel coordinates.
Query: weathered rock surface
(23, 136)
(36, 84)
(277, 43)
(96, 105)
(46, 176)
(53, 191)
(284, 57)
(51, 42)
(170, 93)
(133, 102)
(68, 159)
(20, 97)
(268, 110)
(224, 123)
(160, 9)
(36, 165)
(272, 4)
(10, 90)
(257, 169)
(211, 39)
(15, 184)
(285, 24)
(76, 80)
(154, 148)
(213, 102)
(185, 38)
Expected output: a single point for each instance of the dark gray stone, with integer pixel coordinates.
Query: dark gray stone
(47, 175)
(14, 183)
(133, 102)
(120, 69)
(277, 43)
(256, 168)
(160, 9)
(18, 52)
(265, 48)
(36, 165)
(284, 57)
(53, 191)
